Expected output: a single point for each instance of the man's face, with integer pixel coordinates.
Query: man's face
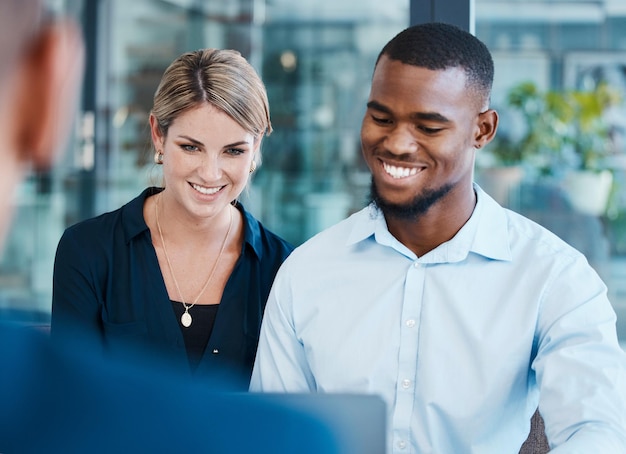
(418, 137)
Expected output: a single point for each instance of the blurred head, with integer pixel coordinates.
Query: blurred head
(222, 78)
(41, 64)
(19, 24)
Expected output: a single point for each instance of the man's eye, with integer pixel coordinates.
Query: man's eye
(381, 120)
(427, 130)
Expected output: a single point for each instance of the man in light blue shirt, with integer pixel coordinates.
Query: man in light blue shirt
(462, 315)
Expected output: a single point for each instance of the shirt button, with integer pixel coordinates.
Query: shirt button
(416, 264)
(402, 444)
(406, 383)
(410, 323)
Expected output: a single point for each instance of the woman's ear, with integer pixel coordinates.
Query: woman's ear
(156, 134)
(48, 86)
(256, 157)
(487, 127)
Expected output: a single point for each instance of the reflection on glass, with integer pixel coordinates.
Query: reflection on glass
(316, 58)
(563, 47)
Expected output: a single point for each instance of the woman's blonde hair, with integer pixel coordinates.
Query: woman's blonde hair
(219, 77)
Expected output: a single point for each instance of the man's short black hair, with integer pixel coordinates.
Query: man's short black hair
(440, 46)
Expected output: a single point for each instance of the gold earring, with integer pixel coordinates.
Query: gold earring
(252, 167)
(158, 158)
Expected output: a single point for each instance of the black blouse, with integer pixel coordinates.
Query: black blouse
(107, 282)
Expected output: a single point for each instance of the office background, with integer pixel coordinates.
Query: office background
(316, 58)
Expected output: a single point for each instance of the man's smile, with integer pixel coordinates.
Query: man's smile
(398, 172)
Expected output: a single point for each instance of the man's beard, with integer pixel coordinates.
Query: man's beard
(412, 210)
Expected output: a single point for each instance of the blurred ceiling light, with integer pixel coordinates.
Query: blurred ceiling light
(288, 61)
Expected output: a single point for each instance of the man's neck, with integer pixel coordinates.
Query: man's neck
(439, 224)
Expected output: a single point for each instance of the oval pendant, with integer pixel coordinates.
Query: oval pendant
(185, 319)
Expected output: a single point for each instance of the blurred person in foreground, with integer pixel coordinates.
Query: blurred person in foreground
(181, 274)
(68, 400)
(40, 73)
(463, 315)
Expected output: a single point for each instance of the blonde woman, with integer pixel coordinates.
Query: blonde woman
(182, 272)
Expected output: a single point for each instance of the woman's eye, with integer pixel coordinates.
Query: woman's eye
(235, 151)
(188, 147)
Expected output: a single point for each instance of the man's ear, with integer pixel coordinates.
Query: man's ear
(49, 84)
(487, 127)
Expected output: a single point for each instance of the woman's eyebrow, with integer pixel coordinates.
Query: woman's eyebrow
(237, 144)
(190, 139)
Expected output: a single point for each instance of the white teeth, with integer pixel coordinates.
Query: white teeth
(399, 172)
(205, 191)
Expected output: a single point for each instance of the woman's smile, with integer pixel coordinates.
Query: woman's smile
(206, 190)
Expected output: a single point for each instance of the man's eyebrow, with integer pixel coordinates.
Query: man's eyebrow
(430, 116)
(378, 106)
(424, 116)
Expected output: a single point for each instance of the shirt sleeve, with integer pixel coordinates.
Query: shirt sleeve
(75, 303)
(281, 364)
(580, 367)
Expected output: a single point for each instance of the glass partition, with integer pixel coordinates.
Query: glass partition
(316, 58)
(560, 88)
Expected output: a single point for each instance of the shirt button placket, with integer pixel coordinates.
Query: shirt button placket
(408, 356)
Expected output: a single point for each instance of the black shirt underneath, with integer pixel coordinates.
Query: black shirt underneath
(197, 335)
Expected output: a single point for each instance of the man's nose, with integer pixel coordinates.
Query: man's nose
(401, 140)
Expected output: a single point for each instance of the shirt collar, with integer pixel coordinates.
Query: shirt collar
(252, 231)
(485, 233)
(134, 223)
(491, 233)
(365, 226)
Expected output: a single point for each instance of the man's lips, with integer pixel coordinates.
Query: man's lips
(398, 172)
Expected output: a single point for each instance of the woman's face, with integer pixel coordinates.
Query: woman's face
(206, 160)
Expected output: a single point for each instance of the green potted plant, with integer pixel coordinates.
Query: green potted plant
(566, 136)
(510, 156)
(500, 169)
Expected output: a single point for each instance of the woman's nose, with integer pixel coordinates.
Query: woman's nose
(209, 167)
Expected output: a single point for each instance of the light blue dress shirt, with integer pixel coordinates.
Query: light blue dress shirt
(462, 343)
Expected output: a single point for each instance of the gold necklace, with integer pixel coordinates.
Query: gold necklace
(185, 319)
